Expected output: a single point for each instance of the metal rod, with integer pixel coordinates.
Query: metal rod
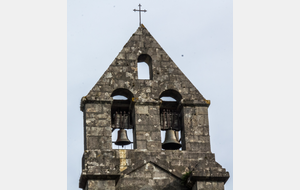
(140, 13)
(140, 16)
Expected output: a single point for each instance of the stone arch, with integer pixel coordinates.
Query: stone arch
(171, 93)
(123, 92)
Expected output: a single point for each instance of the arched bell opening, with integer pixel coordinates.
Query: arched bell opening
(122, 119)
(171, 120)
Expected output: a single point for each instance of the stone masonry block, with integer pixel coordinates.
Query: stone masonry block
(121, 56)
(204, 139)
(102, 123)
(142, 145)
(98, 142)
(142, 119)
(93, 108)
(201, 110)
(176, 162)
(154, 146)
(161, 182)
(197, 120)
(107, 131)
(191, 138)
(154, 136)
(102, 116)
(101, 185)
(205, 131)
(94, 131)
(106, 108)
(142, 110)
(140, 135)
(141, 174)
(148, 128)
(195, 146)
(197, 131)
(155, 119)
(153, 110)
(90, 121)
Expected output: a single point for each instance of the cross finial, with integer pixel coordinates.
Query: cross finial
(140, 12)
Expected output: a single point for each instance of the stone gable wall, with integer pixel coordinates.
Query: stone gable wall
(122, 73)
(147, 166)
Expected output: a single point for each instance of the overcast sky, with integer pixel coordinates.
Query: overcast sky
(197, 35)
(41, 126)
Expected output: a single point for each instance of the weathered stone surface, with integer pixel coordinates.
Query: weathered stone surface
(149, 177)
(207, 185)
(147, 166)
(142, 110)
(101, 185)
(124, 68)
(176, 163)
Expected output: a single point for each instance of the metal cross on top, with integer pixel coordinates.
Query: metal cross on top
(140, 12)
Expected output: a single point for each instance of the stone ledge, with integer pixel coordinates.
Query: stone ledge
(84, 101)
(83, 178)
(193, 179)
(196, 177)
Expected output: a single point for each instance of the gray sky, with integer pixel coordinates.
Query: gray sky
(197, 35)
(36, 113)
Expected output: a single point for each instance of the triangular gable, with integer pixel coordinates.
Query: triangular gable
(122, 73)
(149, 176)
(133, 169)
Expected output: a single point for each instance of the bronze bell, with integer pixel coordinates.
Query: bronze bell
(171, 142)
(122, 138)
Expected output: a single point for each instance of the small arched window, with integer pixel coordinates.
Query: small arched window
(144, 66)
(143, 71)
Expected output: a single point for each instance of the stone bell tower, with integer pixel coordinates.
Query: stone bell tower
(183, 161)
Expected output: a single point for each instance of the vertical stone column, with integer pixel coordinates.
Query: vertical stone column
(97, 126)
(196, 129)
(147, 128)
